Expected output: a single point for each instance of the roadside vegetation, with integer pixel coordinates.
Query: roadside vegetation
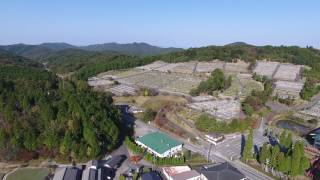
(283, 159)
(257, 99)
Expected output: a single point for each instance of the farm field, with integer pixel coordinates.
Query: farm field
(29, 174)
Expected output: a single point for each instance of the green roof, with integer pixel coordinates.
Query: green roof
(159, 142)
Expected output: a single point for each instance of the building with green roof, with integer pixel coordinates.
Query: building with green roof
(160, 144)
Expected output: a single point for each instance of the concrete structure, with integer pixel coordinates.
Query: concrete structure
(174, 170)
(188, 175)
(152, 66)
(135, 110)
(202, 98)
(208, 67)
(95, 81)
(266, 68)
(122, 90)
(237, 67)
(160, 144)
(313, 137)
(278, 71)
(225, 109)
(287, 89)
(222, 171)
(288, 72)
(214, 138)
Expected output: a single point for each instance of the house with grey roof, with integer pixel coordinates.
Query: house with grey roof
(97, 170)
(221, 171)
(68, 173)
(152, 175)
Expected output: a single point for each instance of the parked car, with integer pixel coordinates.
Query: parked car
(115, 161)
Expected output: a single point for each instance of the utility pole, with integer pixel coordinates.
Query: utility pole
(209, 152)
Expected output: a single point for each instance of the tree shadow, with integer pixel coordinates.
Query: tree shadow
(243, 142)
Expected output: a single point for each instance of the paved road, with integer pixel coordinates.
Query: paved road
(313, 101)
(222, 152)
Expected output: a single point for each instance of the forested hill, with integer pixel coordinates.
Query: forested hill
(41, 51)
(293, 54)
(138, 49)
(7, 58)
(64, 58)
(43, 116)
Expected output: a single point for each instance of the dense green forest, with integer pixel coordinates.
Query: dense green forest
(43, 116)
(7, 58)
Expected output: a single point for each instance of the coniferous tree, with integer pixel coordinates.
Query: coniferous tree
(296, 159)
(247, 152)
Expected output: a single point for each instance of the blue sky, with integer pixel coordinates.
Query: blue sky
(179, 23)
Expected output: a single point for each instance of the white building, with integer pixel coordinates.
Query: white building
(180, 173)
(214, 138)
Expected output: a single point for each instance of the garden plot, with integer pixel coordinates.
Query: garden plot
(207, 67)
(222, 109)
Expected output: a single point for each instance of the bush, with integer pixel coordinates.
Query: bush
(207, 123)
(216, 81)
(149, 115)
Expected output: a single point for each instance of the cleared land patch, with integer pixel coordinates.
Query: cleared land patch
(157, 102)
(29, 174)
(242, 86)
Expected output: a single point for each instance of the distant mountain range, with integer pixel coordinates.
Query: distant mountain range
(132, 48)
(40, 51)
